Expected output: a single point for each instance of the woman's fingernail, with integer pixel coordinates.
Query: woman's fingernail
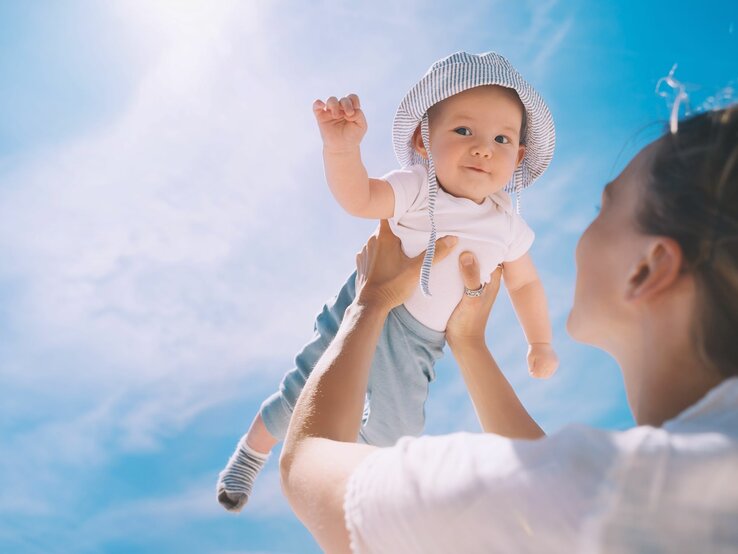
(467, 259)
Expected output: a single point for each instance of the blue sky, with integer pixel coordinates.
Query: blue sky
(166, 234)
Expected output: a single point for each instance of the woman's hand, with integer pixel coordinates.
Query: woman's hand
(385, 276)
(469, 320)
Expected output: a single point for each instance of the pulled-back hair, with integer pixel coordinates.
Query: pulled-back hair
(692, 197)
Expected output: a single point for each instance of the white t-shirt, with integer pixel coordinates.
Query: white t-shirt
(668, 489)
(492, 230)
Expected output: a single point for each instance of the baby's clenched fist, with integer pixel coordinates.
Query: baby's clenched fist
(341, 122)
(542, 360)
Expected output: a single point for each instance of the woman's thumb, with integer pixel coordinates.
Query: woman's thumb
(469, 270)
(444, 246)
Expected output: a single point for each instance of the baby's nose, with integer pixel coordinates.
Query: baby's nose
(482, 150)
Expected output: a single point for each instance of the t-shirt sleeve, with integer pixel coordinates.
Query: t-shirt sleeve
(473, 493)
(407, 185)
(521, 238)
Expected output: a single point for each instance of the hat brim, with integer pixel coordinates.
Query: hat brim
(462, 71)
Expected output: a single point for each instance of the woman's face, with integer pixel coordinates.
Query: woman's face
(607, 257)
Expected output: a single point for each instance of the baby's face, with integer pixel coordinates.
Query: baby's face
(475, 141)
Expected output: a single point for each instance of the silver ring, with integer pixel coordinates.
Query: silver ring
(474, 293)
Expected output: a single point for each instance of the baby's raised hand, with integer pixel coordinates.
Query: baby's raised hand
(342, 123)
(542, 360)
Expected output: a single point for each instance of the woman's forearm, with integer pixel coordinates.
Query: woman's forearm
(497, 406)
(320, 450)
(332, 402)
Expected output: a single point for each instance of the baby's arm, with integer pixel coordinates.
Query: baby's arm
(342, 126)
(529, 300)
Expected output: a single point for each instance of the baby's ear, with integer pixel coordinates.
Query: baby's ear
(521, 154)
(418, 145)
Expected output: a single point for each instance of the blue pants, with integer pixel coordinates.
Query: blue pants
(401, 370)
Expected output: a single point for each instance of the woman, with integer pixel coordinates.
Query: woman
(657, 287)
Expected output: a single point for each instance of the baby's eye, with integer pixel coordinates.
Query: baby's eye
(464, 131)
(502, 139)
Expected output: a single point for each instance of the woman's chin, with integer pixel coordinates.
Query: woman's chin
(583, 330)
(573, 327)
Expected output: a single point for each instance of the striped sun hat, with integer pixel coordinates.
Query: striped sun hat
(452, 75)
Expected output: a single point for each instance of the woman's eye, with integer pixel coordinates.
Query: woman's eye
(598, 208)
(464, 131)
(502, 139)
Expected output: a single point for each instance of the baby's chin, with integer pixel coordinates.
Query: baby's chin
(472, 192)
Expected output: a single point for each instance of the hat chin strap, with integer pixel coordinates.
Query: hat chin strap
(517, 186)
(432, 192)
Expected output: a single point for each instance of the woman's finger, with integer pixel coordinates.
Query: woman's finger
(493, 285)
(444, 245)
(384, 233)
(495, 276)
(384, 228)
(469, 271)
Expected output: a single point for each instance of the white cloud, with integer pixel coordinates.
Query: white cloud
(546, 34)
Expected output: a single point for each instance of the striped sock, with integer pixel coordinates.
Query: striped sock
(237, 479)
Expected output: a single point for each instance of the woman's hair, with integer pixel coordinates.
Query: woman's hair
(692, 196)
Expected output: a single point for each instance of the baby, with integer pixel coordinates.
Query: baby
(468, 132)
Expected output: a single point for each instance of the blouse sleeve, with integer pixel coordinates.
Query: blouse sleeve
(407, 184)
(521, 238)
(475, 493)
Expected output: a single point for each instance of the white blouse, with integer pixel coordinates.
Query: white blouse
(667, 489)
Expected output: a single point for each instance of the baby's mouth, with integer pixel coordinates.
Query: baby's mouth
(476, 169)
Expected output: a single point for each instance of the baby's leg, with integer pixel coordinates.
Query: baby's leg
(402, 368)
(237, 478)
(235, 482)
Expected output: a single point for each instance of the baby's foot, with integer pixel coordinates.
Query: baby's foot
(237, 479)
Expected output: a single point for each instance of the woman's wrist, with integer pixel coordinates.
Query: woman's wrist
(373, 303)
(466, 342)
